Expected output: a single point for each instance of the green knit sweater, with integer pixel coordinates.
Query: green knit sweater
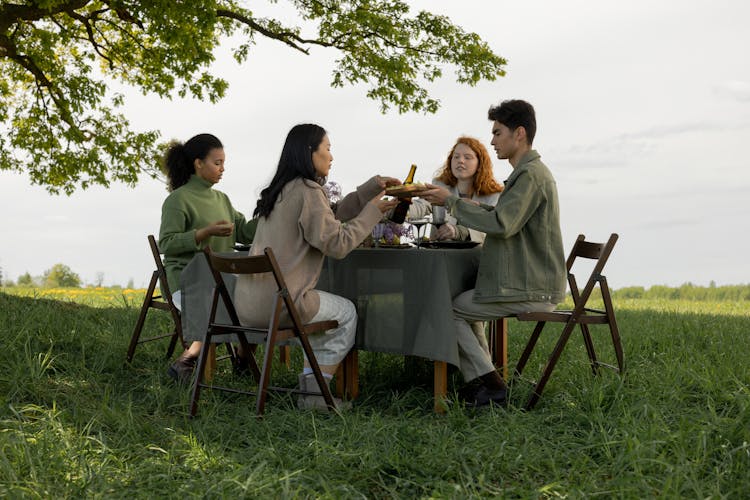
(189, 208)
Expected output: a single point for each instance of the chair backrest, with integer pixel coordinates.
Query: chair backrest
(599, 252)
(248, 265)
(166, 292)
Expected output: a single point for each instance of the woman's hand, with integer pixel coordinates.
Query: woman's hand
(384, 204)
(218, 228)
(384, 182)
(447, 232)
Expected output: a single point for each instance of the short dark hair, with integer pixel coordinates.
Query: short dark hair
(296, 161)
(515, 113)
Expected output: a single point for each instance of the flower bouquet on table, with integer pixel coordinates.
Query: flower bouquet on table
(388, 232)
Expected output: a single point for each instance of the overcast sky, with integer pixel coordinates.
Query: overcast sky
(643, 112)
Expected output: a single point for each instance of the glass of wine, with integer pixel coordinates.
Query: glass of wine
(438, 216)
(419, 224)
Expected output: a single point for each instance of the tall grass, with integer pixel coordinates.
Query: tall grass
(76, 421)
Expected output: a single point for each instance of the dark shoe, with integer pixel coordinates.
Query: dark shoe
(467, 392)
(485, 396)
(182, 369)
(242, 367)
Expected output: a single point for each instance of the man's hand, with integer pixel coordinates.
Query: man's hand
(434, 194)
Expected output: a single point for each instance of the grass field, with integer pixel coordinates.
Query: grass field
(76, 421)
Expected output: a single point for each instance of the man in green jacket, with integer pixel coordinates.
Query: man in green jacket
(522, 265)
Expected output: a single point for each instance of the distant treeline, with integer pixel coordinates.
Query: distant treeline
(688, 291)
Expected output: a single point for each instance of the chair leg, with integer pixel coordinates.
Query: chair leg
(177, 334)
(537, 392)
(172, 343)
(589, 343)
(440, 385)
(322, 383)
(199, 375)
(142, 316)
(613, 330)
(265, 374)
(527, 350)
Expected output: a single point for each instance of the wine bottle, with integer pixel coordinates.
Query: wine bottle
(399, 213)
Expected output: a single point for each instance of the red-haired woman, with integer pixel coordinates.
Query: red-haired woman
(467, 173)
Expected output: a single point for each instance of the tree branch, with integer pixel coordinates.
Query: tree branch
(11, 13)
(287, 37)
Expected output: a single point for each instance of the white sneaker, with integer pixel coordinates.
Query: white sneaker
(316, 402)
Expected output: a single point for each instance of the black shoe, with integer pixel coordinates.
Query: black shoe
(467, 392)
(484, 396)
(182, 369)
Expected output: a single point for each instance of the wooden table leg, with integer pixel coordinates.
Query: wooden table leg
(347, 376)
(441, 385)
(210, 368)
(503, 347)
(499, 344)
(352, 374)
(285, 356)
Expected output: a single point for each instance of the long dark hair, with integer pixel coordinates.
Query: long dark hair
(295, 161)
(179, 160)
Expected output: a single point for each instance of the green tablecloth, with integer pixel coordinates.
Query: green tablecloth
(403, 297)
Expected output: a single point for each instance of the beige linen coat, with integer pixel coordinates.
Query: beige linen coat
(302, 229)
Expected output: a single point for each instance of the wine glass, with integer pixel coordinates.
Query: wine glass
(419, 224)
(377, 233)
(438, 216)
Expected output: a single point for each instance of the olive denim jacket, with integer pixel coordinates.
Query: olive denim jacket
(522, 258)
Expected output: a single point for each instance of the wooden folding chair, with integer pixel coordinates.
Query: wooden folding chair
(271, 336)
(161, 302)
(580, 315)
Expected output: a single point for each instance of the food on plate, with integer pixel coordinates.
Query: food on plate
(405, 188)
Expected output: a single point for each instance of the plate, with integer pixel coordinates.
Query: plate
(405, 190)
(400, 245)
(449, 244)
(241, 247)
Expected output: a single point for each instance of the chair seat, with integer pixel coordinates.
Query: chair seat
(563, 317)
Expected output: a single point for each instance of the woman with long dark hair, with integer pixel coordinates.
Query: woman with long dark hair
(194, 216)
(296, 220)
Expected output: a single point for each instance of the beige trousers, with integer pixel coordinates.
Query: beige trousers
(473, 351)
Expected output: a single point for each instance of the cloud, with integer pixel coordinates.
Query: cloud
(735, 90)
(56, 218)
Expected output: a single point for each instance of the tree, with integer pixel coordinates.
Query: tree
(25, 280)
(61, 275)
(60, 121)
(99, 280)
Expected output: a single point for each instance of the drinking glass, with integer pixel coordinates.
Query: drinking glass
(418, 223)
(377, 233)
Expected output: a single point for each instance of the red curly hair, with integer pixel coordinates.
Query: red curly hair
(484, 182)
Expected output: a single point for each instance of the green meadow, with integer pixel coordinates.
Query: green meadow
(77, 422)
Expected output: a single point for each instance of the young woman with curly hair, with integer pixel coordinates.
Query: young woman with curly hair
(467, 173)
